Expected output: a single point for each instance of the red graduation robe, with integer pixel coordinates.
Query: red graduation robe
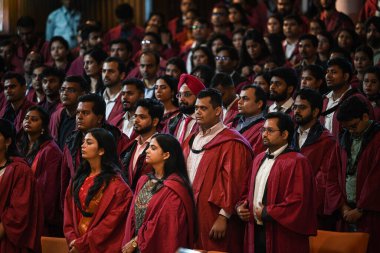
(169, 219)
(105, 231)
(231, 113)
(367, 185)
(290, 202)
(20, 209)
(217, 185)
(20, 114)
(47, 166)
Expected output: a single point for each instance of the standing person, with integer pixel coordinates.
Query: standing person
(353, 185)
(218, 161)
(64, 22)
(163, 206)
(280, 195)
(147, 116)
(317, 144)
(97, 200)
(19, 198)
(44, 158)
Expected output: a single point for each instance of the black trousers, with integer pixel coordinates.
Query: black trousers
(260, 241)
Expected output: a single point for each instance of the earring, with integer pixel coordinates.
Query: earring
(42, 131)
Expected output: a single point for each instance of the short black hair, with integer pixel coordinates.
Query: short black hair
(374, 20)
(125, 42)
(178, 62)
(98, 104)
(26, 22)
(10, 75)
(343, 64)
(51, 71)
(120, 63)
(97, 54)
(294, 17)
(222, 79)
(155, 108)
(206, 73)
(289, 75)
(124, 11)
(152, 53)
(373, 70)
(259, 93)
(219, 36)
(365, 49)
(284, 123)
(157, 38)
(314, 98)
(352, 108)
(136, 82)
(232, 51)
(316, 71)
(61, 40)
(313, 39)
(88, 29)
(85, 86)
(214, 95)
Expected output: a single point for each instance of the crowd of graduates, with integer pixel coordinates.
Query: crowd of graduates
(243, 131)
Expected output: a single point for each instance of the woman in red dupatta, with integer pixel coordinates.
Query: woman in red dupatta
(98, 199)
(161, 218)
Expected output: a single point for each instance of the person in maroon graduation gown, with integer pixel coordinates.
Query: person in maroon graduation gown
(218, 162)
(280, 205)
(162, 216)
(353, 185)
(20, 203)
(44, 157)
(98, 199)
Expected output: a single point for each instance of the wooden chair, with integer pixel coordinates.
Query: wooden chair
(54, 245)
(338, 242)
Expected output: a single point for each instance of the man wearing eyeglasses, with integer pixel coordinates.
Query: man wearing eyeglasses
(219, 20)
(315, 142)
(353, 186)
(280, 205)
(62, 121)
(218, 160)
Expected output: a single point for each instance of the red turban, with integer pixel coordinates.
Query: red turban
(194, 84)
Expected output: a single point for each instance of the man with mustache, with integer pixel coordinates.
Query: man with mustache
(147, 116)
(52, 80)
(338, 76)
(315, 142)
(188, 88)
(132, 91)
(113, 73)
(280, 197)
(283, 82)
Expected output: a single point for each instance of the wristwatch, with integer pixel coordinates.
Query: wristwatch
(134, 243)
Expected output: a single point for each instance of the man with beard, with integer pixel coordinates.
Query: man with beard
(90, 114)
(113, 73)
(132, 91)
(36, 93)
(317, 144)
(218, 162)
(280, 196)
(188, 88)
(333, 19)
(283, 83)
(16, 103)
(251, 106)
(52, 79)
(372, 28)
(62, 121)
(353, 186)
(147, 116)
(338, 76)
(307, 48)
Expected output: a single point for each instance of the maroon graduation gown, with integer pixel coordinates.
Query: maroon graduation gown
(20, 114)
(169, 219)
(47, 165)
(135, 37)
(20, 209)
(253, 135)
(106, 230)
(290, 202)
(231, 113)
(55, 121)
(217, 185)
(367, 186)
(117, 109)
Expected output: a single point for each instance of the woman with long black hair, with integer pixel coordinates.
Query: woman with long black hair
(20, 203)
(162, 216)
(98, 199)
(44, 157)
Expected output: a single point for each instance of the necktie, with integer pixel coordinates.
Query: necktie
(183, 134)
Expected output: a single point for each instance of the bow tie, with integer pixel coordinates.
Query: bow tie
(269, 156)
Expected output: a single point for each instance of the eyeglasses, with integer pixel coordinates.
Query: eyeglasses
(269, 130)
(68, 90)
(222, 58)
(146, 42)
(185, 94)
(194, 27)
